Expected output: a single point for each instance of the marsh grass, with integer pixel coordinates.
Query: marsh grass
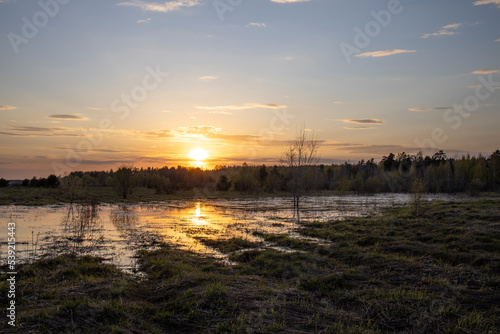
(88, 195)
(94, 195)
(285, 240)
(394, 273)
(229, 245)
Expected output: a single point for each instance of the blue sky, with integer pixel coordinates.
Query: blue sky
(240, 87)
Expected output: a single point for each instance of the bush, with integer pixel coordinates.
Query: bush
(417, 196)
(72, 187)
(475, 187)
(3, 183)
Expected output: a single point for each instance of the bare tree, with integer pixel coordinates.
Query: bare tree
(298, 155)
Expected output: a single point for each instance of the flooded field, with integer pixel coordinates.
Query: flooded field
(116, 232)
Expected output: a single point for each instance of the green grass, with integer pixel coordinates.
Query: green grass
(394, 273)
(229, 245)
(29, 196)
(44, 196)
(284, 240)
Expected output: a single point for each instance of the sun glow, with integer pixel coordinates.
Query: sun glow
(199, 155)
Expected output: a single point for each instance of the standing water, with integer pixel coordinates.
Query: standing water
(116, 232)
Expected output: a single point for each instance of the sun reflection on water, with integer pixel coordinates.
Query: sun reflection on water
(198, 218)
(181, 224)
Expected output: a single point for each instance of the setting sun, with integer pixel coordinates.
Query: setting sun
(198, 154)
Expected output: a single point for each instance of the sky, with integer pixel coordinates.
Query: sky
(91, 85)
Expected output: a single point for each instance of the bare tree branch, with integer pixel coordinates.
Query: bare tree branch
(298, 155)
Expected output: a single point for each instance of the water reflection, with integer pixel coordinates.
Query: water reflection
(81, 232)
(79, 222)
(124, 217)
(126, 221)
(182, 226)
(198, 218)
(118, 231)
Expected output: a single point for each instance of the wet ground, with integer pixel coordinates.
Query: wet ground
(116, 232)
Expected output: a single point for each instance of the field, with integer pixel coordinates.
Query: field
(45, 196)
(393, 273)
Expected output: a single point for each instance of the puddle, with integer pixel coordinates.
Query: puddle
(116, 232)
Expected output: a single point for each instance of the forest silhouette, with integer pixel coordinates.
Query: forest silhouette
(393, 173)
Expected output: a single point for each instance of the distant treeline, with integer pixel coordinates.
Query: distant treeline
(50, 182)
(394, 173)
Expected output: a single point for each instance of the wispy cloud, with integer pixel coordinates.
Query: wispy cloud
(445, 31)
(358, 127)
(148, 20)
(192, 133)
(497, 40)
(209, 78)
(209, 132)
(181, 134)
(430, 109)
(156, 134)
(476, 86)
(376, 54)
(33, 131)
(257, 24)
(289, 1)
(220, 112)
(379, 150)
(364, 121)
(453, 26)
(74, 117)
(166, 7)
(421, 109)
(340, 144)
(7, 108)
(487, 71)
(487, 2)
(244, 106)
(95, 149)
